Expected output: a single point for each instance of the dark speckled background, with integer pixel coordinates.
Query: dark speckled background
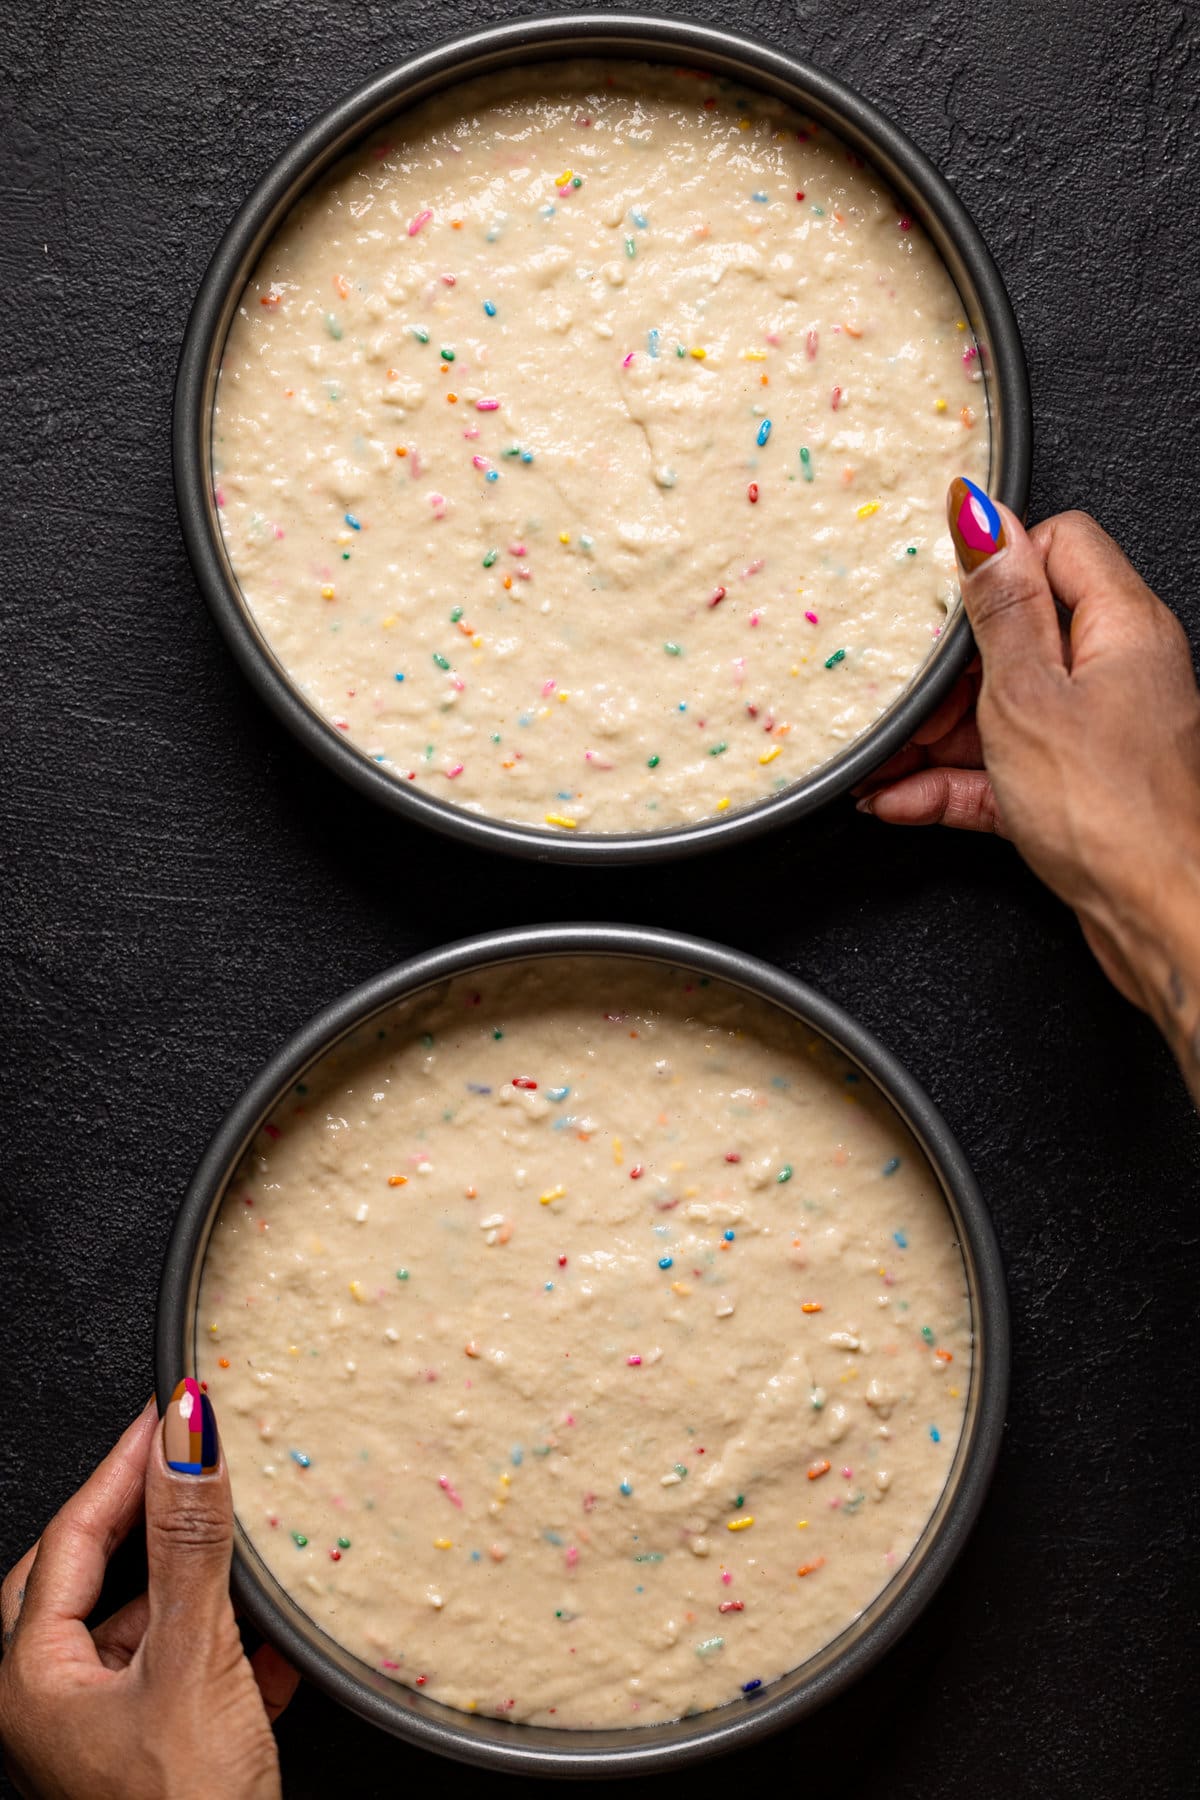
(181, 887)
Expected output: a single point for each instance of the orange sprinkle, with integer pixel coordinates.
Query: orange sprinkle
(854, 331)
(393, 374)
(269, 299)
(456, 224)
(508, 581)
(817, 1469)
(811, 1306)
(807, 1568)
(342, 286)
(397, 1180)
(223, 1361)
(944, 1355)
(470, 1350)
(471, 1193)
(452, 398)
(401, 450)
(967, 417)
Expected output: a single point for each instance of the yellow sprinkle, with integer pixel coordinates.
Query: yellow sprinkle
(558, 819)
(954, 1393)
(868, 507)
(327, 593)
(743, 124)
(618, 1151)
(564, 537)
(443, 1543)
(681, 1288)
(939, 406)
(554, 1193)
(293, 1350)
(476, 641)
(770, 755)
(740, 1524)
(960, 324)
(801, 1524)
(754, 355)
(388, 622)
(567, 175)
(699, 354)
(723, 805)
(472, 1706)
(563, 697)
(356, 1290)
(213, 1330)
(505, 1480)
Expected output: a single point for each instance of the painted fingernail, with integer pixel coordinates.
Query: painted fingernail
(190, 1431)
(975, 525)
(866, 804)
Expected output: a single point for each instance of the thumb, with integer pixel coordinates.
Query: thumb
(189, 1527)
(1004, 588)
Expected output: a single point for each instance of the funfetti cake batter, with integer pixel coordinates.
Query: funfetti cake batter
(589, 1345)
(581, 448)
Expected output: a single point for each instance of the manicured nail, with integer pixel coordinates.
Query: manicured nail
(866, 804)
(975, 525)
(190, 1431)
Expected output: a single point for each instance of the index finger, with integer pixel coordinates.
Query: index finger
(73, 1551)
(1110, 605)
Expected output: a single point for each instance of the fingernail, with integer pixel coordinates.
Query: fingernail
(975, 525)
(190, 1431)
(866, 804)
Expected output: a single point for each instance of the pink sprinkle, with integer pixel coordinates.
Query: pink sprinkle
(726, 1577)
(219, 496)
(524, 574)
(572, 1557)
(450, 280)
(773, 337)
(517, 550)
(810, 345)
(548, 687)
(278, 530)
(733, 1156)
(451, 1493)
(594, 757)
(969, 355)
(414, 465)
(847, 1471)
(472, 432)
(755, 617)
(906, 224)
(589, 1503)
(458, 684)
(480, 462)
(812, 618)
(385, 1664)
(422, 219)
(633, 1362)
(487, 406)
(753, 568)
(272, 1131)
(717, 597)
(635, 1174)
(628, 360)
(836, 398)
(728, 1606)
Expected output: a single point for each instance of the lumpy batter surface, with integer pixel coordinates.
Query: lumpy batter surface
(581, 449)
(589, 1344)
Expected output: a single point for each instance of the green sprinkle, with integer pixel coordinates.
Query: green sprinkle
(401, 1274)
(837, 657)
(719, 749)
(680, 1470)
(514, 450)
(785, 1174)
(419, 332)
(673, 649)
(679, 350)
(299, 1539)
(497, 1034)
(332, 326)
(441, 662)
(927, 1333)
(343, 1543)
(806, 464)
(820, 211)
(630, 247)
(911, 551)
(491, 556)
(577, 181)
(709, 1646)
(446, 355)
(345, 556)
(739, 1503)
(456, 614)
(427, 1039)
(653, 762)
(649, 1556)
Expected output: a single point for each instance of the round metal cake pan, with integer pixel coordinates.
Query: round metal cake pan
(534, 1749)
(921, 189)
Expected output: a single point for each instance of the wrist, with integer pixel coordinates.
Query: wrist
(1152, 914)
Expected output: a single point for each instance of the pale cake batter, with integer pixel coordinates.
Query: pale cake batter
(589, 1343)
(581, 447)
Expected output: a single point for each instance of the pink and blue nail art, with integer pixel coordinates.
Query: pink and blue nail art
(975, 524)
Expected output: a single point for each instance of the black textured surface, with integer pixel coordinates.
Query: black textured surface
(181, 886)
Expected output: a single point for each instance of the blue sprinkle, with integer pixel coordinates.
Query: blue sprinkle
(399, 675)
(476, 1555)
(666, 1262)
(652, 344)
(380, 757)
(552, 1537)
(492, 475)
(760, 197)
(890, 1167)
(639, 219)
(748, 1687)
(626, 1487)
(935, 1434)
(352, 522)
(477, 1087)
(527, 456)
(557, 1093)
(729, 1236)
(489, 307)
(517, 1456)
(683, 706)
(900, 1239)
(565, 794)
(764, 432)
(298, 1456)
(851, 1077)
(549, 1285)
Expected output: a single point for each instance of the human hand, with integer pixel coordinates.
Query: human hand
(1080, 740)
(159, 1701)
